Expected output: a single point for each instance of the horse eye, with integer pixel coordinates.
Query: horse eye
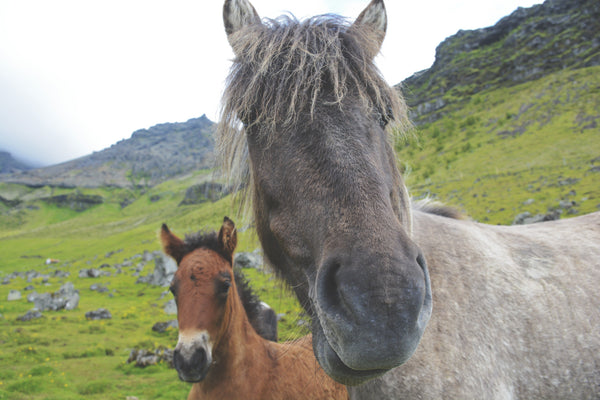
(225, 285)
(222, 286)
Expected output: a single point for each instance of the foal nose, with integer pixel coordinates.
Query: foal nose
(192, 358)
(192, 369)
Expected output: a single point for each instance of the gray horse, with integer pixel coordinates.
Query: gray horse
(405, 303)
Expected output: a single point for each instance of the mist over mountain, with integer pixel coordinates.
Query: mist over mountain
(8, 164)
(149, 157)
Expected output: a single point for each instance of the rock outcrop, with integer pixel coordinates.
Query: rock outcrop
(526, 45)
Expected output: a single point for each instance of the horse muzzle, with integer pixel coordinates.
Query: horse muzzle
(370, 313)
(192, 357)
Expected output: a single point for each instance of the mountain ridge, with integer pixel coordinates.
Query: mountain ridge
(526, 45)
(150, 156)
(9, 164)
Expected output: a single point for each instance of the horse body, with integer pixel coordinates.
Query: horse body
(516, 313)
(218, 349)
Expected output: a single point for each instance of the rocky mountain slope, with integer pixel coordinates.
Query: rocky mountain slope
(8, 164)
(507, 118)
(526, 45)
(149, 157)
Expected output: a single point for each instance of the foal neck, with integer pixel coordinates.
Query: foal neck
(237, 348)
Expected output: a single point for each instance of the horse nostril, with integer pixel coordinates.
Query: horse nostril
(199, 357)
(177, 359)
(328, 293)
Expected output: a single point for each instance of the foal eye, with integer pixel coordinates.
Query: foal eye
(222, 285)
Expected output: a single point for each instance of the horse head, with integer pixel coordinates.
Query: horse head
(330, 207)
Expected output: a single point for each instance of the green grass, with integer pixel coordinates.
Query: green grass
(65, 356)
(503, 147)
(500, 153)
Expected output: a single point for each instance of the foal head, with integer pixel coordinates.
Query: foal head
(202, 286)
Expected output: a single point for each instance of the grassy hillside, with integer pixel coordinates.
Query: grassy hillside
(494, 155)
(65, 356)
(510, 150)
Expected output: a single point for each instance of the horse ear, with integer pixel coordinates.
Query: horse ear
(228, 236)
(375, 18)
(172, 245)
(238, 14)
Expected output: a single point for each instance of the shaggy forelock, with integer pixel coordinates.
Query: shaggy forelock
(284, 68)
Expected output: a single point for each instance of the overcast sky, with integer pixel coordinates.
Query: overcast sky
(78, 75)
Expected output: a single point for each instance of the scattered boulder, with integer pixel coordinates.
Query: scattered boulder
(164, 269)
(206, 191)
(248, 260)
(31, 296)
(171, 307)
(161, 327)
(101, 313)
(526, 217)
(144, 358)
(147, 256)
(92, 273)
(61, 274)
(31, 275)
(566, 204)
(14, 295)
(568, 181)
(31, 314)
(96, 287)
(67, 298)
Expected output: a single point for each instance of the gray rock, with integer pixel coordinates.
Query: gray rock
(526, 217)
(164, 269)
(90, 273)
(144, 358)
(206, 191)
(14, 295)
(147, 256)
(66, 298)
(161, 327)
(101, 313)
(170, 307)
(31, 314)
(248, 260)
(566, 204)
(31, 296)
(96, 287)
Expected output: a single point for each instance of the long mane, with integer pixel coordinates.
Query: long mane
(284, 68)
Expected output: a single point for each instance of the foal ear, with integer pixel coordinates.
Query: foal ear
(375, 18)
(228, 236)
(172, 245)
(238, 14)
